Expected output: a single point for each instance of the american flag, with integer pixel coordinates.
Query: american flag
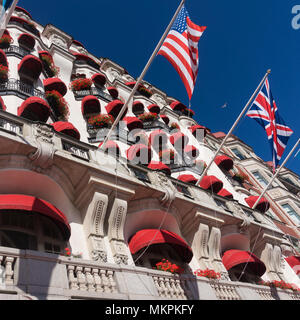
(181, 49)
(265, 112)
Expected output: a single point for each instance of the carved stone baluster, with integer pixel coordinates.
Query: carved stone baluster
(105, 282)
(97, 280)
(71, 277)
(171, 292)
(112, 282)
(8, 262)
(180, 289)
(159, 289)
(81, 278)
(174, 289)
(89, 279)
(162, 285)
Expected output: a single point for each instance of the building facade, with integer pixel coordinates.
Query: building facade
(121, 209)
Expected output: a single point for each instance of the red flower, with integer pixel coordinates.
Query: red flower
(67, 252)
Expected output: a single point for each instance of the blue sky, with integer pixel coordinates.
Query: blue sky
(242, 40)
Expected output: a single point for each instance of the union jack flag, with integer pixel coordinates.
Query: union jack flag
(265, 112)
(180, 48)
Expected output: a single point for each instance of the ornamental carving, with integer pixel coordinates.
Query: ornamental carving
(59, 41)
(160, 101)
(112, 74)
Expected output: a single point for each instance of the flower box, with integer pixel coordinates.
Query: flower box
(148, 117)
(49, 66)
(101, 121)
(166, 265)
(144, 91)
(81, 84)
(280, 284)
(208, 273)
(5, 41)
(58, 104)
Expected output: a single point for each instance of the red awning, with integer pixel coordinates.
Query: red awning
(158, 136)
(165, 119)
(55, 84)
(149, 237)
(2, 104)
(137, 106)
(99, 79)
(35, 109)
(130, 84)
(177, 106)
(78, 43)
(45, 53)
(211, 183)
(113, 92)
(90, 104)
(30, 66)
(188, 178)
(194, 130)
(158, 165)
(263, 205)
(84, 57)
(66, 128)
(32, 204)
(133, 123)
(224, 162)
(179, 140)
(191, 151)
(27, 40)
(225, 193)
(3, 59)
(294, 263)
(140, 151)
(154, 108)
(24, 11)
(113, 108)
(233, 258)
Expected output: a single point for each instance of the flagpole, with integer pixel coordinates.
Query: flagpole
(276, 174)
(7, 18)
(140, 78)
(233, 127)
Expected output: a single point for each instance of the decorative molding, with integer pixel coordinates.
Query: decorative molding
(56, 36)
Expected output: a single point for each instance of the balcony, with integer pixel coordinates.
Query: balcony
(25, 25)
(16, 51)
(36, 275)
(79, 95)
(21, 89)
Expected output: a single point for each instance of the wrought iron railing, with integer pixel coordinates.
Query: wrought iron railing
(94, 92)
(15, 50)
(14, 85)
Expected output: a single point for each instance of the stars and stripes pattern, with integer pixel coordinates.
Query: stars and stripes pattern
(265, 112)
(180, 48)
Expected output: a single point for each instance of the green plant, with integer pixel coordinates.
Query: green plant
(49, 65)
(81, 84)
(58, 104)
(148, 116)
(5, 41)
(101, 121)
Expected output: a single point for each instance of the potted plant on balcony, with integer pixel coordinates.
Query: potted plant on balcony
(81, 84)
(148, 117)
(144, 91)
(49, 65)
(3, 73)
(58, 104)
(101, 121)
(208, 273)
(5, 41)
(166, 265)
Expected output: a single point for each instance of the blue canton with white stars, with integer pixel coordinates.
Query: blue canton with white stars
(180, 22)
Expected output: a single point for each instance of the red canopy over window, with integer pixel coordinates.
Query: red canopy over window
(158, 136)
(225, 193)
(188, 178)
(224, 162)
(165, 119)
(113, 108)
(35, 109)
(194, 129)
(158, 165)
(140, 151)
(211, 183)
(130, 84)
(90, 104)
(113, 92)
(177, 106)
(78, 43)
(191, 151)
(232, 258)
(178, 139)
(3, 59)
(27, 40)
(2, 104)
(137, 106)
(66, 128)
(133, 123)
(99, 79)
(294, 263)
(263, 205)
(24, 11)
(146, 237)
(154, 108)
(84, 57)
(30, 66)
(55, 84)
(32, 204)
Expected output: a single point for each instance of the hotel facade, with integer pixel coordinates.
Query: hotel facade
(78, 221)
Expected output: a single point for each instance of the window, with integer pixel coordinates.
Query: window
(258, 176)
(292, 213)
(238, 154)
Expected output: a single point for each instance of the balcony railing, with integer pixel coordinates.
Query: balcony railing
(26, 26)
(11, 126)
(16, 51)
(94, 92)
(12, 86)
